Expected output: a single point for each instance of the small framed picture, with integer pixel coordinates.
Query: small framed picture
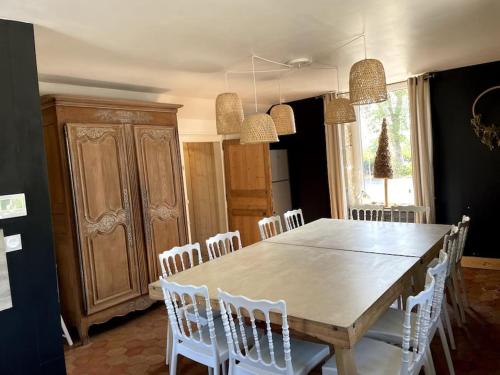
(13, 205)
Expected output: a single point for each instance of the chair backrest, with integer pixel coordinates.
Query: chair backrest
(463, 230)
(232, 309)
(223, 243)
(367, 212)
(185, 326)
(450, 246)
(180, 258)
(439, 271)
(270, 226)
(293, 219)
(410, 214)
(415, 343)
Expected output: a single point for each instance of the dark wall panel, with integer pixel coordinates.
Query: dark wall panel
(467, 173)
(307, 159)
(30, 333)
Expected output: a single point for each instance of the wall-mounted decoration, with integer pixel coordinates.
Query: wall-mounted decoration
(5, 299)
(13, 205)
(488, 134)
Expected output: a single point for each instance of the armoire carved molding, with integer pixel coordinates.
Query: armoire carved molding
(115, 181)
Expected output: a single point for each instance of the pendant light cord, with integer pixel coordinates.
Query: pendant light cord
(254, 84)
(364, 43)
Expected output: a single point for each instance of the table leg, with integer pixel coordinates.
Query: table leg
(345, 361)
(419, 278)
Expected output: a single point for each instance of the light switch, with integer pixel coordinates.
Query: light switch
(13, 243)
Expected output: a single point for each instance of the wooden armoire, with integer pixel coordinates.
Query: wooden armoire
(117, 198)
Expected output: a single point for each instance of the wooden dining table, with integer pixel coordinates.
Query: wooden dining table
(337, 277)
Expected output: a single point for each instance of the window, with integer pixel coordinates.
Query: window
(361, 142)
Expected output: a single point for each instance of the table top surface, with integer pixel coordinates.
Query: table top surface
(328, 286)
(404, 239)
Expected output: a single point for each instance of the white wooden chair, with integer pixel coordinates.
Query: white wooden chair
(270, 226)
(272, 353)
(223, 243)
(377, 357)
(367, 212)
(180, 258)
(410, 214)
(389, 327)
(293, 219)
(456, 274)
(204, 344)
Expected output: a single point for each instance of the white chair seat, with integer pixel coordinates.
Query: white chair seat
(305, 355)
(372, 357)
(389, 327)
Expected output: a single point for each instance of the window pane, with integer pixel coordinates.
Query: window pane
(395, 111)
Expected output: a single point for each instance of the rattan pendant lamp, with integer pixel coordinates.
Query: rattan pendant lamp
(367, 81)
(282, 115)
(339, 110)
(259, 127)
(229, 113)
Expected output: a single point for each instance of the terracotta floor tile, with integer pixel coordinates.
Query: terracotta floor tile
(136, 344)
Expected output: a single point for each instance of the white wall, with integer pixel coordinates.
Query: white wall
(196, 121)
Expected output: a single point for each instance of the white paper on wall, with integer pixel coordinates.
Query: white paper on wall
(5, 299)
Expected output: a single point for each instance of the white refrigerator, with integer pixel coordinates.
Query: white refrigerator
(282, 200)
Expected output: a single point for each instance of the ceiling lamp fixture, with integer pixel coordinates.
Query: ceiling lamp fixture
(282, 115)
(260, 127)
(367, 81)
(339, 110)
(229, 113)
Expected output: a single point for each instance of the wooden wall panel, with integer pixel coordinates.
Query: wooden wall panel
(201, 182)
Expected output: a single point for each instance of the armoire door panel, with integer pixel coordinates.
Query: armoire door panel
(102, 202)
(158, 163)
(248, 187)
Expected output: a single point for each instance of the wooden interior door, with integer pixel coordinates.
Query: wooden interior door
(162, 192)
(202, 191)
(101, 189)
(248, 187)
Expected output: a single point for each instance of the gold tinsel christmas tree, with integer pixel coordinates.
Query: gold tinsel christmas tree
(382, 167)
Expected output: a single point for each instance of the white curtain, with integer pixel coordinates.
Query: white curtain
(421, 143)
(335, 165)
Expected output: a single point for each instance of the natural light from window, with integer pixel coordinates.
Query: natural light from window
(371, 190)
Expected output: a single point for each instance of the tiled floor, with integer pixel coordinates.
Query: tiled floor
(135, 344)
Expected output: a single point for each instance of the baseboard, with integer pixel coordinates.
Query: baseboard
(483, 263)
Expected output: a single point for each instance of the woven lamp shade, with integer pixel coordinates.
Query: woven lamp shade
(228, 113)
(258, 128)
(284, 119)
(367, 82)
(339, 111)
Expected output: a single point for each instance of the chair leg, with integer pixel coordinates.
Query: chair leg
(448, 323)
(454, 303)
(224, 370)
(66, 334)
(462, 285)
(168, 352)
(430, 369)
(173, 361)
(458, 296)
(210, 371)
(446, 349)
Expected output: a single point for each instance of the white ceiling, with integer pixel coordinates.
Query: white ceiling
(184, 47)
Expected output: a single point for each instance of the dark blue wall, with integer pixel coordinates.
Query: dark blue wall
(467, 173)
(30, 333)
(307, 159)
